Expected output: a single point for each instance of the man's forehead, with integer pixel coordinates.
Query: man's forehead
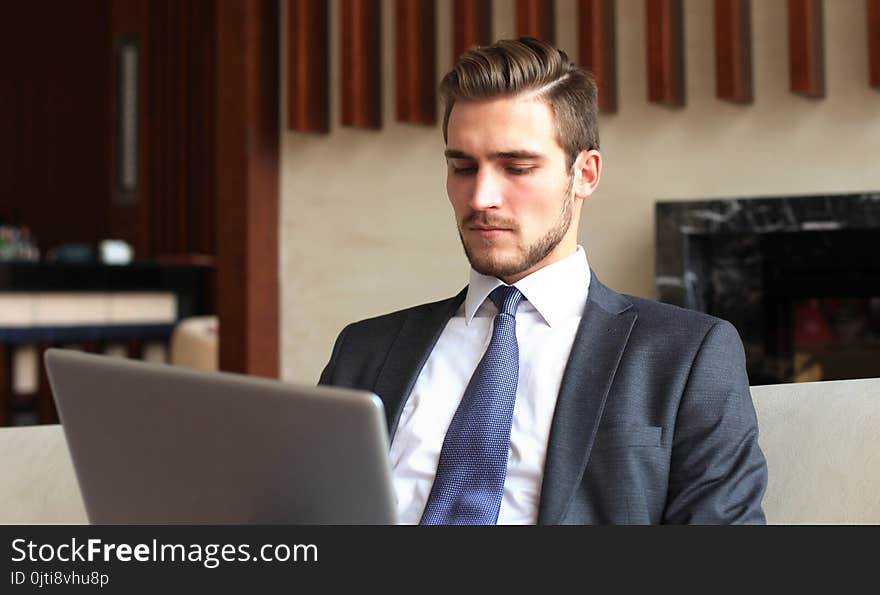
(503, 125)
(535, 111)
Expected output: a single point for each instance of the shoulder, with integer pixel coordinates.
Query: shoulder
(656, 314)
(378, 332)
(706, 349)
(667, 327)
(361, 348)
(675, 328)
(394, 320)
(653, 317)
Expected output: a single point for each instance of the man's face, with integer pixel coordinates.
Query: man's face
(509, 186)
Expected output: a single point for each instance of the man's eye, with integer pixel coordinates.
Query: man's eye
(520, 171)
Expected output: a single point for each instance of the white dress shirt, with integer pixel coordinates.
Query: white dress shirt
(546, 325)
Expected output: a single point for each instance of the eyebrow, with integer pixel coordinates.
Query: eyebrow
(456, 154)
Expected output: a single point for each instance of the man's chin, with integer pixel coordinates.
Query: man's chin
(494, 263)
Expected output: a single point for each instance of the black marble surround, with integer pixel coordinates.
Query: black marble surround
(752, 260)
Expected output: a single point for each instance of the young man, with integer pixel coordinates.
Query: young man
(537, 394)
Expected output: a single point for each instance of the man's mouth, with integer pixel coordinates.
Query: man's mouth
(489, 230)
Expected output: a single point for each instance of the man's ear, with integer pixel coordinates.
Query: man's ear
(587, 171)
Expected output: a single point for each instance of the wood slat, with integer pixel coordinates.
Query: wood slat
(203, 219)
(361, 84)
(665, 43)
(598, 48)
(308, 75)
(471, 25)
(873, 19)
(176, 222)
(536, 18)
(806, 47)
(160, 146)
(733, 50)
(247, 149)
(416, 62)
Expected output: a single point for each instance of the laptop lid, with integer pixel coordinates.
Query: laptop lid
(156, 444)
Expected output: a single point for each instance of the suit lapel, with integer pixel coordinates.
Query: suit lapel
(595, 355)
(420, 331)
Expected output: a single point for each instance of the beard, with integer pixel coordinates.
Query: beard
(485, 262)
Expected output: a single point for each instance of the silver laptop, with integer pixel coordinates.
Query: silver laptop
(156, 444)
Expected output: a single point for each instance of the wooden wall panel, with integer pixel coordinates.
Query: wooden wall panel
(361, 83)
(471, 25)
(55, 130)
(536, 18)
(172, 212)
(163, 149)
(308, 77)
(806, 47)
(873, 20)
(665, 43)
(598, 48)
(201, 115)
(416, 61)
(180, 83)
(247, 154)
(733, 50)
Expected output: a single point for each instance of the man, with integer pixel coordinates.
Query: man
(537, 394)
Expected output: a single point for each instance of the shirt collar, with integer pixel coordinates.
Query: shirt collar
(557, 291)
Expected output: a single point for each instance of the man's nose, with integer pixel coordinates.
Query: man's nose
(487, 191)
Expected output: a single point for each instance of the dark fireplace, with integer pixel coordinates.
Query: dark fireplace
(798, 276)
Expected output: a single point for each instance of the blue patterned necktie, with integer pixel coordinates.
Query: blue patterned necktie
(470, 476)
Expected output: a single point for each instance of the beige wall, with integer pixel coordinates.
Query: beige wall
(366, 228)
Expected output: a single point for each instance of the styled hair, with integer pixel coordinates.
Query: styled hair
(528, 66)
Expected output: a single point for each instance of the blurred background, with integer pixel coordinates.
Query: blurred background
(227, 184)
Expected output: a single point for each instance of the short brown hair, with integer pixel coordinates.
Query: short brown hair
(511, 67)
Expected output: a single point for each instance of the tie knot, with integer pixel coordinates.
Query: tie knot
(506, 298)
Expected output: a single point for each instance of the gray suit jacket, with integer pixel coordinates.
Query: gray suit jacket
(654, 422)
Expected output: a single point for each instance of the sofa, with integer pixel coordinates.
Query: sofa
(821, 440)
